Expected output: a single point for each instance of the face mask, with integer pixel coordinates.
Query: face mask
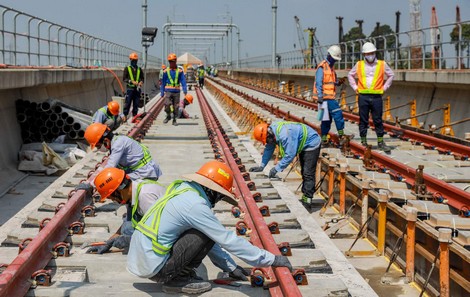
(133, 63)
(330, 60)
(370, 58)
(213, 196)
(270, 138)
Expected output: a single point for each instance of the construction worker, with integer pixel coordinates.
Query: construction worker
(126, 153)
(138, 196)
(160, 75)
(200, 74)
(109, 115)
(177, 233)
(293, 139)
(182, 113)
(371, 84)
(172, 81)
(324, 91)
(133, 76)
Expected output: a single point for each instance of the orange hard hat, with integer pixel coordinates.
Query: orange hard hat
(163, 66)
(172, 57)
(216, 176)
(133, 56)
(108, 181)
(260, 132)
(94, 132)
(189, 97)
(113, 107)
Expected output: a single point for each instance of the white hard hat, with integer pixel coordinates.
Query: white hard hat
(335, 52)
(368, 47)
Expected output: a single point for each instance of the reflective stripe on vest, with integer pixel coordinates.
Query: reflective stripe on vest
(129, 69)
(329, 79)
(173, 83)
(105, 111)
(155, 212)
(135, 218)
(377, 85)
(147, 158)
(302, 142)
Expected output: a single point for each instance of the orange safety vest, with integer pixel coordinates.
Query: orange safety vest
(377, 86)
(329, 79)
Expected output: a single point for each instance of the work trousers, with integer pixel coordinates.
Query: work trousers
(201, 82)
(172, 101)
(187, 253)
(370, 103)
(308, 165)
(132, 98)
(336, 114)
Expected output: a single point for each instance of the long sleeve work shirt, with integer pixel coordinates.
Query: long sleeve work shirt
(166, 80)
(370, 71)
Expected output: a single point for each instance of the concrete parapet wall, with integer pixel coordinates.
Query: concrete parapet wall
(88, 89)
(431, 89)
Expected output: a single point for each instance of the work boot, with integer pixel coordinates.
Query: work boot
(306, 201)
(187, 285)
(168, 117)
(364, 141)
(383, 147)
(175, 123)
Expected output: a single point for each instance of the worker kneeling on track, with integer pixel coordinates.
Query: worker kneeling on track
(109, 115)
(138, 196)
(182, 113)
(126, 153)
(180, 229)
(293, 139)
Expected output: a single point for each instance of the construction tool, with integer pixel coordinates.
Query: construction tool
(227, 281)
(90, 244)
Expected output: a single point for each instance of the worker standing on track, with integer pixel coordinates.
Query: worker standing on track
(180, 229)
(109, 115)
(138, 196)
(293, 139)
(182, 113)
(133, 76)
(160, 75)
(200, 75)
(370, 86)
(173, 79)
(126, 153)
(324, 91)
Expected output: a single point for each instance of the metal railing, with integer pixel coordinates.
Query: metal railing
(27, 40)
(397, 49)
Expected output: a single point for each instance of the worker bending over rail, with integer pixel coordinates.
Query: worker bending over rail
(109, 115)
(172, 81)
(180, 229)
(324, 91)
(371, 85)
(293, 139)
(139, 196)
(182, 113)
(126, 153)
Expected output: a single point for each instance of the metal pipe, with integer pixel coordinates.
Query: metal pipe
(21, 117)
(445, 238)
(382, 224)
(411, 217)
(342, 188)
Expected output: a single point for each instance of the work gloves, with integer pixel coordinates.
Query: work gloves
(281, 261)
(320, 100)
(88, 188)
(256, 169)
(239, 273)
(272, 173)
(121, 242)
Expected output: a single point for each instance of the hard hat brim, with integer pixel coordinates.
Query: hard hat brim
(204, 181)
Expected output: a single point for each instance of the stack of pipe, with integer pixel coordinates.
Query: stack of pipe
(47, 120)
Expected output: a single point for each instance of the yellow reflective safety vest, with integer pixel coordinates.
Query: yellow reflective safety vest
(147, 158)
(302, 142)
(174, 83)
(131, 75)
(377, 86)
(135, 217)
(155, 212)
(105, 111)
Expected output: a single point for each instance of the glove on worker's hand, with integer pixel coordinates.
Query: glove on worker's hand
(320, 101)
(272, 173)
(122, 242)
(101, 249)
(256, 169)
(85, 186)
(281, 261)
(239, 273)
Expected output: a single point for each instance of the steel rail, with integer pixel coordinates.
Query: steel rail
(15, 280)
(457, 198)
(283, 275)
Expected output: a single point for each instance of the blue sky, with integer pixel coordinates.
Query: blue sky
(120, 21)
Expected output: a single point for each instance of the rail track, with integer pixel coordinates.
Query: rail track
(52, 263)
